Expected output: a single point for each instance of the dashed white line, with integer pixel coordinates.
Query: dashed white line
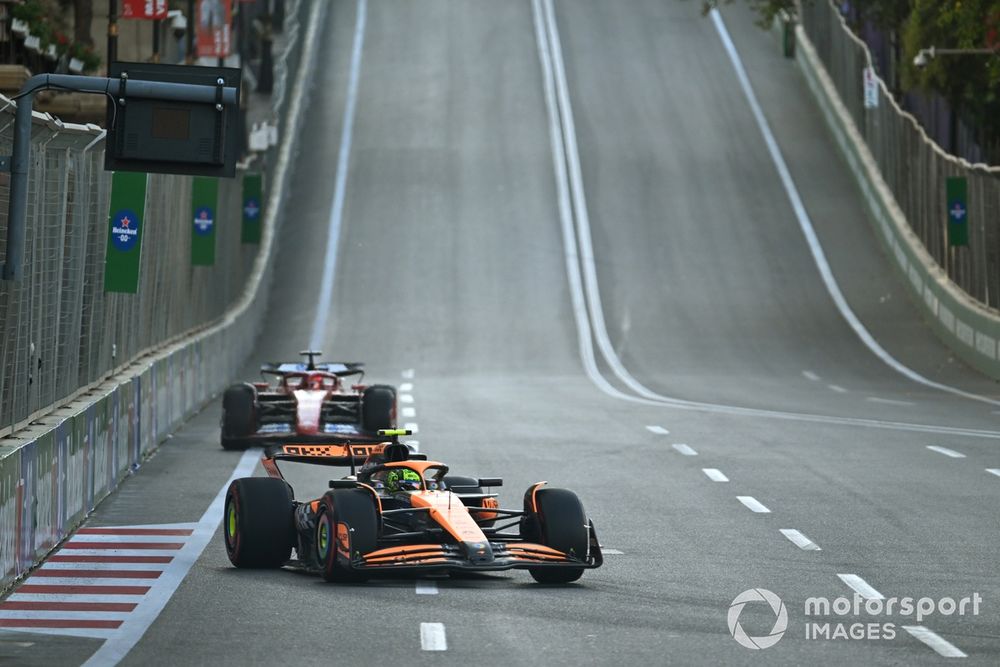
(405, 398)
(408, 374)
(432, 637)
(941, 646)
(837, 388)
(889, 401)
(715, 474)
(861, 587)
(411, 427)
(406, 386)
(753, 504)
(612, 552)
(947, 452)
(427, 587)
(658, 430)
(685, 450)
(409, 412)
(994, 471)
(800, 540)
(809, 375)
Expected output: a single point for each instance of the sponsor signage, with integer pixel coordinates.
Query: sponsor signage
(204, 212)
(958, 211)
(252, 208)
(125, 216)
(144, 9)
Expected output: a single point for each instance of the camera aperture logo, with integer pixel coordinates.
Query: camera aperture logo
(780, 618)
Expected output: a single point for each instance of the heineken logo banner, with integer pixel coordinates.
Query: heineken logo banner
(125, 223)
(252, 211)
(204, 212)
(958, 211)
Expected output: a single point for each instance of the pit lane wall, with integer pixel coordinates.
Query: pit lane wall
(56, 471)
(967, 325)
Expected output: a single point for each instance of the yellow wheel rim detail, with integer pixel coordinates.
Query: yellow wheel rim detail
(231, 522)
(324, 538)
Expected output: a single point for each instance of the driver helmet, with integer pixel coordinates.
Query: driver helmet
(404, 479)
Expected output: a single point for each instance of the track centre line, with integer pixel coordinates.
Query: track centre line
(432, 637)
(406, 386)
(411, 427)
(715, 474)
(409, 412)
(340, 185)
(753, 504)
(951, 453)
(861, 587)
(994, 471)
(426, 587)
(658, 430)
(940, 645)
(405, 398)
(685, 450)
(591, 330)
(800, 540)
(889, 401)
(809, 375)
(837, 388)
(408, 374)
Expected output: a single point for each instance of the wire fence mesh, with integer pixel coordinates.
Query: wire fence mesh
(913, 166)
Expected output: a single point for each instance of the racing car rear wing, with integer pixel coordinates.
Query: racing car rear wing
(339, 368)
(344, 454)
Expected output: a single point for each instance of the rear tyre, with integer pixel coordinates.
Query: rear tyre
(239, 418)
(257, 522)
(378, 408)
(560, 523)
(347, 523)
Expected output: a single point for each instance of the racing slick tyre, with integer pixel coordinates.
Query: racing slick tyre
(560, 523)
(378, 407)
(347, 522)
(470, 485)
(238, 416)
(258, 524)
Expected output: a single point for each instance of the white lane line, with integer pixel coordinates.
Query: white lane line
(612, 552)
(819, 257)
(405, 398)
(837, 388)
(753, 504)
(427, 587)
(411, 427)
(406, 386)
(432, 637)
(146, 567)
(89, 537)
(92, 581)
(340, 186)
(118, 552)
(861, 587)
(132, 630)
(658, 430)
(67, 615)
(800, 540)
(889, 401)
(809, 375)
(994, 471)
(408, 374)
(715, 474)
(409, 412)
(68, 597)
(941, 646)
(685, 450)
(91, 633)
(951, 453)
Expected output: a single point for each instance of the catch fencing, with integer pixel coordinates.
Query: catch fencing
(913, 166)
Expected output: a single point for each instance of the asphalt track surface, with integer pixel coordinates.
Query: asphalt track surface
(453, 276)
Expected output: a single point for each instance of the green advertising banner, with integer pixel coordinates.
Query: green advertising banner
(958, 212)
(125, 215)
(252, 209)
(204, 203)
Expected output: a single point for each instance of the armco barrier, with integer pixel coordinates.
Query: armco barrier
(968, 327)
(56, 471)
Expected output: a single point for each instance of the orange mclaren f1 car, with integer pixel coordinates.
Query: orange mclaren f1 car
(401, 512)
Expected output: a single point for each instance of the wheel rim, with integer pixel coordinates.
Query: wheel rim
(323, 537)
(231, 523)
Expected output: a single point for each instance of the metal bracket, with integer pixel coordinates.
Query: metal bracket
(220, 83)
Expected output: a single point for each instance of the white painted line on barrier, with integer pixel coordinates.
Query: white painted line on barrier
(994, 471)
(889, 401)
(809, 375)
(837, 388)
(947, 452)
(411, 427)
(405, 398)
(658, 430)
(340, 184)
(861, 587)
(432, 637)
(800, 540)
(409, 412)
(685, 450)
(427, 587)
(406, 386)
(715, 474)
(753, 504)
(408, 374)
(941, 646)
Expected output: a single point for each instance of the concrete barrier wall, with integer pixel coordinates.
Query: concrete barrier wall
(56, 471)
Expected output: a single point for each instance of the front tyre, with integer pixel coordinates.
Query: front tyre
(558, 521)
(257, 522)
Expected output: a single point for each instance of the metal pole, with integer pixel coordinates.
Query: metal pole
(191, 30)
(112, 31)
(156, 40)
(13, 268)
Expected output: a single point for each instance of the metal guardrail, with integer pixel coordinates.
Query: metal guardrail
(914, 167)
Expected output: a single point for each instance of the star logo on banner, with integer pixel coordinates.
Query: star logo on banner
(125, 221)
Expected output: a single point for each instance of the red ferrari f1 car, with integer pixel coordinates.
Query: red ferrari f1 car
(306, 402)
(402, 513)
